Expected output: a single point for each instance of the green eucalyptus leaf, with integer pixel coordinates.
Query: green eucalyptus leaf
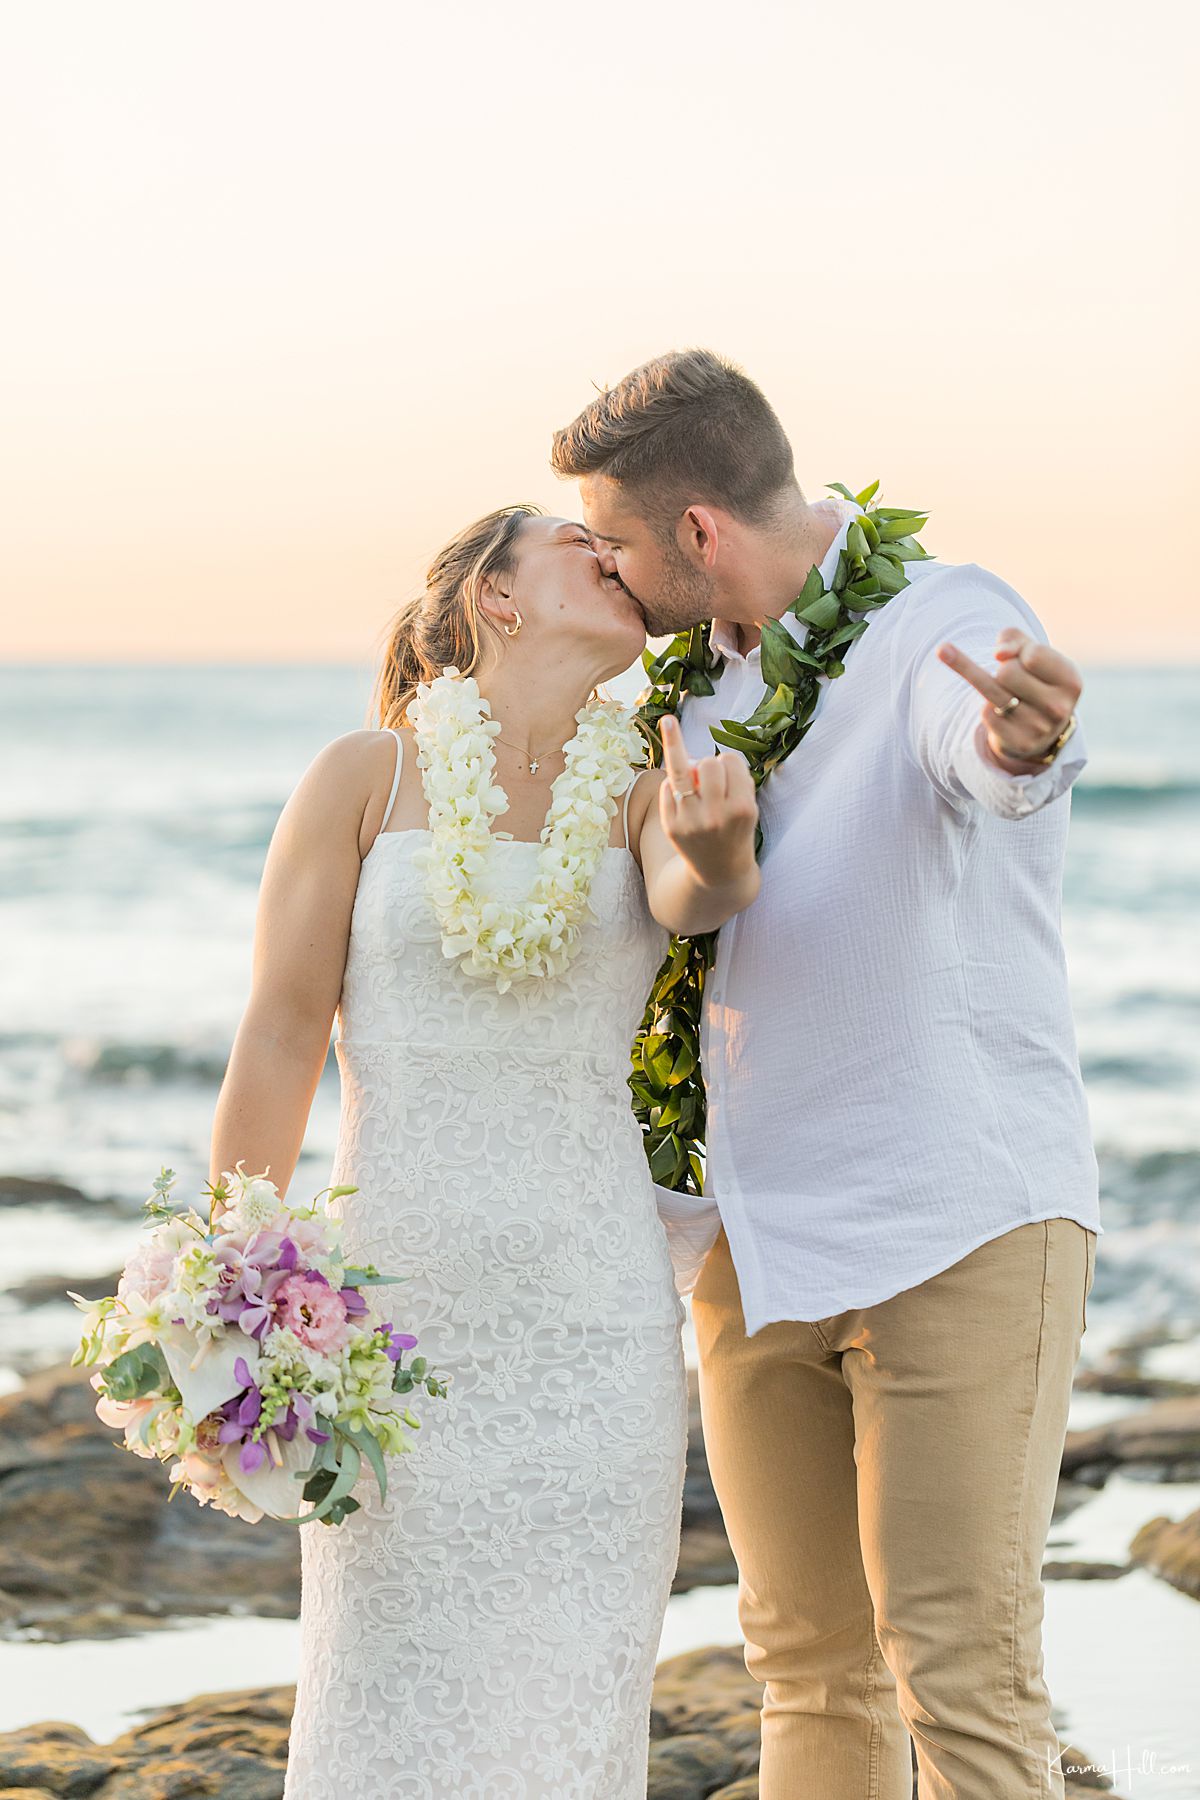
(351, 1463)
(371, 1449)
(136, 1373)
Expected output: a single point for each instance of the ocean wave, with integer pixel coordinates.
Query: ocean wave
(1154, 1069)
(1170, 791)
(117, 1062)
(1153, 1185)
(145, 1063)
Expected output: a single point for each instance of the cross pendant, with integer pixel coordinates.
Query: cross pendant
(533, 767)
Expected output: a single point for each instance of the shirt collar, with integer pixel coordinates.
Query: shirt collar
(724, 639)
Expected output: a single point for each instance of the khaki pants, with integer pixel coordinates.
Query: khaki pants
(887, 1477)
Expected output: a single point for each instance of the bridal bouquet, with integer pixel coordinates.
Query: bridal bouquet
(240, 1353)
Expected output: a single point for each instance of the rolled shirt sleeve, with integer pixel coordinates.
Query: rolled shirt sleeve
(940, 712)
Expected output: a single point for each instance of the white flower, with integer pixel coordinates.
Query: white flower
(253, 1201)
(195, 1279)
(206, 1373)
(499, 939)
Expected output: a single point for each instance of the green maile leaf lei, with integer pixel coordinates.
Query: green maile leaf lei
(666, 1082)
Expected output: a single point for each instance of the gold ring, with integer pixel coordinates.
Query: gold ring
(688, 793)
(1010, 706)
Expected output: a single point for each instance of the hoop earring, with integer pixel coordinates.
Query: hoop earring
(512, 630)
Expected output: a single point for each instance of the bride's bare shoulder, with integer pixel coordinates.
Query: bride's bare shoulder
(342, 784)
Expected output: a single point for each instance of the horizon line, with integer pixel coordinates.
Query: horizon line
(47, 665)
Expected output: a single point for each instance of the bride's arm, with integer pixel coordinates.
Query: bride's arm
(697, 852)
(300, 939)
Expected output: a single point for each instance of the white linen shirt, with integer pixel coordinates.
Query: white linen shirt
(887, 1041)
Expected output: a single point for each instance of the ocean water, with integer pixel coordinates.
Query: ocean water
(136, 805)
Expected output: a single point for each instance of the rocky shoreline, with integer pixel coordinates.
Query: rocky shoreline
(233, 1746)
(89, 1545)
(90, 1548)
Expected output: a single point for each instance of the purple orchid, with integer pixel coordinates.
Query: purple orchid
(397, 1342)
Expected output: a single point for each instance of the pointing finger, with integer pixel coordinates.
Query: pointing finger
(980, 680)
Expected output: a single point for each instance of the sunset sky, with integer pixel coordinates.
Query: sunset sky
(292, 291)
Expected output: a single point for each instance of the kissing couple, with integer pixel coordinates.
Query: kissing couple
(831, 843)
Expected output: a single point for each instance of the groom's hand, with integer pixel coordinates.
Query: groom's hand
(1045, 684)
(708, 810)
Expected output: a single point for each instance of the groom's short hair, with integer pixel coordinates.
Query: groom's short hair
(687, 426)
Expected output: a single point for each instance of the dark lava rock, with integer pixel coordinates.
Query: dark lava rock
(1133, 1384)
(90, 1546)
(39, 1190)
(1084, 1571)
(1171, 1548)
(27, 1190)
(44, 1290)
(228, 1746)
(233, 1746)
(1160, 1441)
(705, 1559)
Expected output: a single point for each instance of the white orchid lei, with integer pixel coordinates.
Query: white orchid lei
(502, 939)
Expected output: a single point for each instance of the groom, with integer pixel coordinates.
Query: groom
(898, 1144)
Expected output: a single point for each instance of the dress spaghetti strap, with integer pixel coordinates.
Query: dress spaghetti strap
(625, 810)
(395, 778)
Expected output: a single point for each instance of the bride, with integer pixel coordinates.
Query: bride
(489, 1632)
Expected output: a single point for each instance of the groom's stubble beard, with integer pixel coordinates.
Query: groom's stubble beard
(685, 596)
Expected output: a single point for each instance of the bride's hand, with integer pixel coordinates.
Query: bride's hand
(708, 810)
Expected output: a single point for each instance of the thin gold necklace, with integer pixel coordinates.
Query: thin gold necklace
(535, 762)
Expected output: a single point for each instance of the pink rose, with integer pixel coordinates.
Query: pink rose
(311, 1236)
(149, 1269)
(201, 1472)
(307, 1305)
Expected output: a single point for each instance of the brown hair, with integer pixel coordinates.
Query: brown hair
(690, 425)
(441, 627)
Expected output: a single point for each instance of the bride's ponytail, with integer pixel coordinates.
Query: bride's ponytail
(442, 626)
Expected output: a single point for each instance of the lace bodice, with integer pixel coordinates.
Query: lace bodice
(399, 986)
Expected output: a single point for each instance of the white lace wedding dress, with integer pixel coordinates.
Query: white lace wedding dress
(490, 1631)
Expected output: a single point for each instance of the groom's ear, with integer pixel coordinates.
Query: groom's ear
(698, 536)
